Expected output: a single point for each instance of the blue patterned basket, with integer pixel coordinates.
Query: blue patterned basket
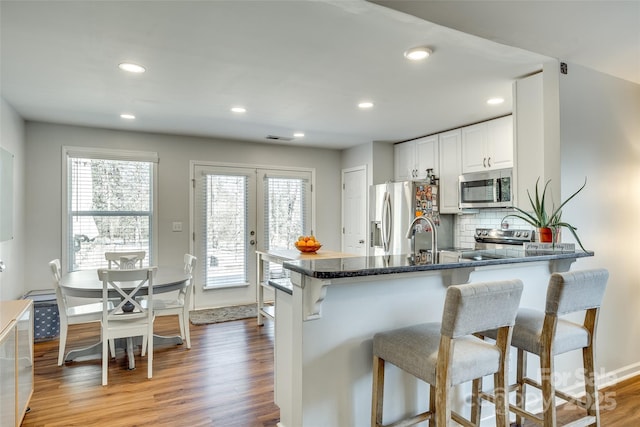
(46, 318)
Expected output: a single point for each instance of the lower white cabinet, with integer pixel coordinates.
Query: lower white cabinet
(16, 360)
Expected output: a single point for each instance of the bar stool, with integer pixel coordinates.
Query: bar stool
(446, 354)
(546, 335)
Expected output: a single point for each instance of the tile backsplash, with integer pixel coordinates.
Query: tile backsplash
(465, 225)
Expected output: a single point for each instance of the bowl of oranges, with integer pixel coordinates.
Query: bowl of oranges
(307, 244)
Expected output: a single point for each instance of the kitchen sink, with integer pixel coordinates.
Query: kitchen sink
(465, 255)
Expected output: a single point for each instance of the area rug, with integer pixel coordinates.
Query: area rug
(222, 314)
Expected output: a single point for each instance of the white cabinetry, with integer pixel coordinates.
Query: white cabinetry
(450, 169)
(488, 145)
(16, 359)
(413, 158)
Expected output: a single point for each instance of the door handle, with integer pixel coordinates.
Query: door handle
(361, 242)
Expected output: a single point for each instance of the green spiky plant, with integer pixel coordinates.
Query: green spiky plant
(540, 218)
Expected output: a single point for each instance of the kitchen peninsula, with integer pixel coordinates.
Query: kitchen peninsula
(327, 315)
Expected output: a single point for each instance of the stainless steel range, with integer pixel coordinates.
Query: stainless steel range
(490, 238)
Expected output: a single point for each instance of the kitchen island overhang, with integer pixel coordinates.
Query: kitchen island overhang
(454, 272)
(326, 318)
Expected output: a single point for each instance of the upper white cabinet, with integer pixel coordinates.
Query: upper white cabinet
(413, 158)
(488, 145)
(450, 170)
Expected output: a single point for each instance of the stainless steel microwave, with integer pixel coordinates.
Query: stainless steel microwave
(491, 189)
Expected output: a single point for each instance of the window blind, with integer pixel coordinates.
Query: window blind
(284, 216)
(109, 208)
(226, 201)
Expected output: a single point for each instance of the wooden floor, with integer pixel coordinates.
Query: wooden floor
(225, 380)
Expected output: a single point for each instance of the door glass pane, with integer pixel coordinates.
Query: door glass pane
(284, 216)
(284, 212)
(226, 230)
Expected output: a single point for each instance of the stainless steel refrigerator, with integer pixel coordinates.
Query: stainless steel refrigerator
(393, 206)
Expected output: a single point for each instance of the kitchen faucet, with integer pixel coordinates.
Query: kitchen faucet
(434, 240)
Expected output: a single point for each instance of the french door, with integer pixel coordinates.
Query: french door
(238, 210)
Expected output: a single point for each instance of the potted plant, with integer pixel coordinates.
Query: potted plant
(547, 224)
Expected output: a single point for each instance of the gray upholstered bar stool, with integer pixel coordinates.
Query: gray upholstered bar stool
(546, 335)
(446, 354)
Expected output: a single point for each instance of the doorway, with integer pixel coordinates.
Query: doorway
(354, 211)
(238, 210)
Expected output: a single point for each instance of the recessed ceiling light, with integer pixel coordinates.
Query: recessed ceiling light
(417, 53)
(238, 109)
(495, 101)
(298, 135)
(132, 68)
(366, 104)
(127, 116)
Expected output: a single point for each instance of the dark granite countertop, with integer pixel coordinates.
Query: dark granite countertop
(283, 285)
(337, 268)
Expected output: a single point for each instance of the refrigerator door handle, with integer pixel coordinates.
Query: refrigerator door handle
(386, 222)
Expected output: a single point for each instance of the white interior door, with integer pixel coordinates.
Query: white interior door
(238, 210)
(354, 210)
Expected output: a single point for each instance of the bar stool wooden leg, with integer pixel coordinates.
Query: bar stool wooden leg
(500, 379)
(476, 402)
(521, 396)
(443, 382)
(548, 390)
(547, 370)
(432, 404)
(591, 391)
(378, 392)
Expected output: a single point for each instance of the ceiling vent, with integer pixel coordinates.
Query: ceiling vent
(279, 138)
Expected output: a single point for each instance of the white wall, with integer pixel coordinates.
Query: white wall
(377, 156)
(43, 186)
(600, 139)
(13, 252)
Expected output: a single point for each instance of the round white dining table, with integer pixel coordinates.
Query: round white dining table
(87, 284)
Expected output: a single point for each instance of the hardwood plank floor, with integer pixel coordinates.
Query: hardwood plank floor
(225, 380)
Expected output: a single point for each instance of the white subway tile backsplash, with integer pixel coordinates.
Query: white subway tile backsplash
(465, 225)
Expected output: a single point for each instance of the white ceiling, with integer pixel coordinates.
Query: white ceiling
(602, 35)
(295, 65)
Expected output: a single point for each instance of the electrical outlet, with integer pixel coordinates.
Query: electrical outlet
(177, 226)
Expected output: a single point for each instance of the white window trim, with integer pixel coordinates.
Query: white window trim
(108, 154)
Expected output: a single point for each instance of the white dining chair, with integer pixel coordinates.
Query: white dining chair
(180, 305)
(72, 314)
(123, 322)
(125, 260)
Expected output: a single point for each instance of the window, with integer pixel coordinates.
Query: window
(285, 216)
(110, 205)
(284, 211)
(226, 230)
